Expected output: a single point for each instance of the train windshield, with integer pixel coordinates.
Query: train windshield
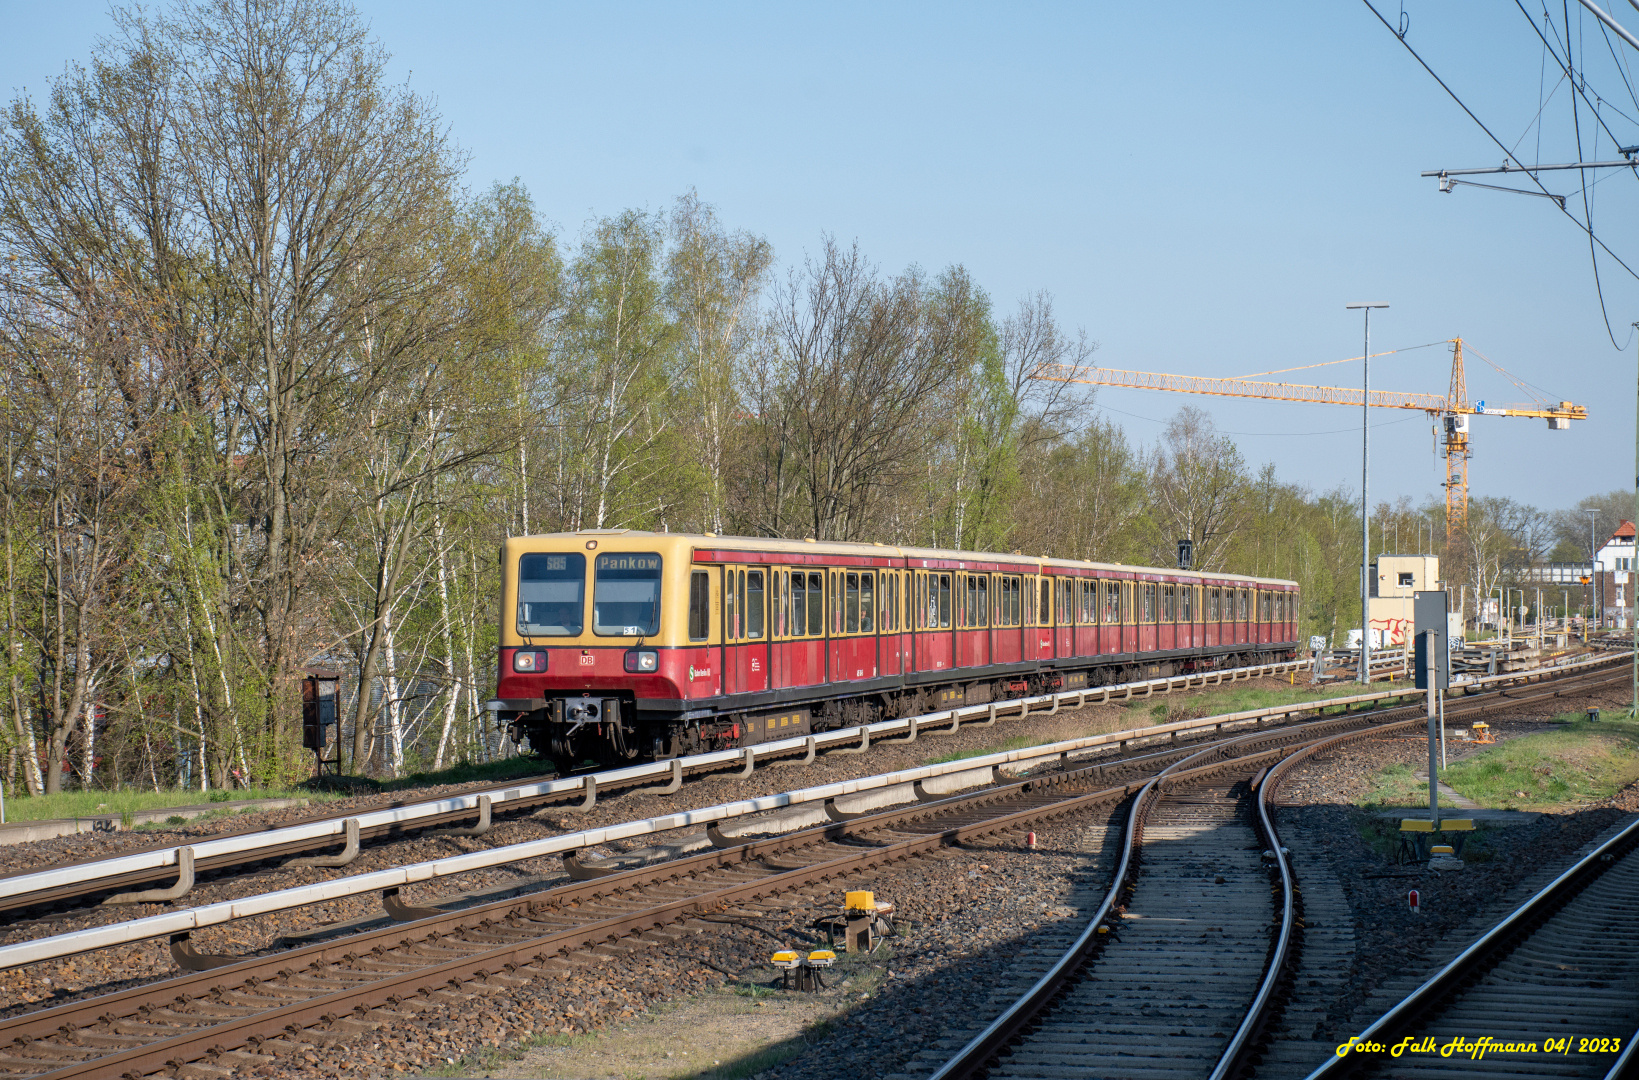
(626, 595)
(551, 594)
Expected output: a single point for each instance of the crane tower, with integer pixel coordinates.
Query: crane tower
(1453, 409)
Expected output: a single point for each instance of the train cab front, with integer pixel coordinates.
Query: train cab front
(585, 665)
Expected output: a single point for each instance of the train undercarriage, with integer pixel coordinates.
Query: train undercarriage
(610, 731)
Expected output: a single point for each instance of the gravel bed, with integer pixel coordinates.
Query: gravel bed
(1503, 864)
(960, 913)
(124, 966)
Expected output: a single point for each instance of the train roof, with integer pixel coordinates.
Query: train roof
(879, 550)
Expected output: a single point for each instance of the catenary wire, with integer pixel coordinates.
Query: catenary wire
(1499, 143)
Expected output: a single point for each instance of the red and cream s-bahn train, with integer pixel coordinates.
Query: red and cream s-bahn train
(618, 644)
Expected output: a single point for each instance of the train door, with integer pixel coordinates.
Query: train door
(1148, 605)
(1044, 618)
(935, 634)
(972, 620)
(1209, 614)
(705, 637)
(745, 618)
(859, 624)
(1242, 614)
(889, 621)
(1166, 629)
(778, 612)
(805, 642)
(1189, 613)
(1064, 617)
(1109, 616)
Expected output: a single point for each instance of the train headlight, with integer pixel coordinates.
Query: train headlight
(528, 660)
(642, 660)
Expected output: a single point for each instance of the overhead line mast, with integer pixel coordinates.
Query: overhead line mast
(1453, 408)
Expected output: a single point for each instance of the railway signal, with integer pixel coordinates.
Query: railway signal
(1413, 899)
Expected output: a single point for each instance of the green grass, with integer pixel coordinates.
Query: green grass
(1018, 742)
(1233, 699)
(466, 772)
(71, 804)
(1176, 706)
(1397, 785)
(1581, 762)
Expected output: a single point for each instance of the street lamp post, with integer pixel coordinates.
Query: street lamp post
(1365, 521)
(1593, 571)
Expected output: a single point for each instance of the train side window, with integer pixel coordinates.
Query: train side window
(740, 605)
(1149, 602)
(816, 605)
(944, 602)
(754, 604)
(730, 625)
(851, 624)
(1046, 608)
(776, 607)
(799, 602)
(1186, 607)
(1169, 603)
(867, 603)
(699, 605)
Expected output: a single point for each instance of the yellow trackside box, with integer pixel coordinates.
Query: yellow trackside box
(860, 901)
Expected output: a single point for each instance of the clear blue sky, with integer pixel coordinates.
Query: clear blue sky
(1200, 186)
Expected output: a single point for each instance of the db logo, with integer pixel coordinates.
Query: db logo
(587, 660)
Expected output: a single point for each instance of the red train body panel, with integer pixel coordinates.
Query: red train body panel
(621, 644)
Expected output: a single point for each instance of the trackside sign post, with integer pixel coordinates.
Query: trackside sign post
(1429, 611)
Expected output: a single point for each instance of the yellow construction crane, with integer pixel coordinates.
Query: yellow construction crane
(1453, 409)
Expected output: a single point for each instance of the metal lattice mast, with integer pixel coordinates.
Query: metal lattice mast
(1456, 481)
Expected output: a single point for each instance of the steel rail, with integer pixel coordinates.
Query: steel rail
(975, 1056)
(240, 1031)
(189, 919)
(63, 881)
(66, 880)
(1501, 939)
(752, 851)
(989, 1043)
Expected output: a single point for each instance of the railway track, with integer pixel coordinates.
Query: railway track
(51, 891)
(38, 893)
(260, 1009)
(1185, 975)
(1554, 987)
